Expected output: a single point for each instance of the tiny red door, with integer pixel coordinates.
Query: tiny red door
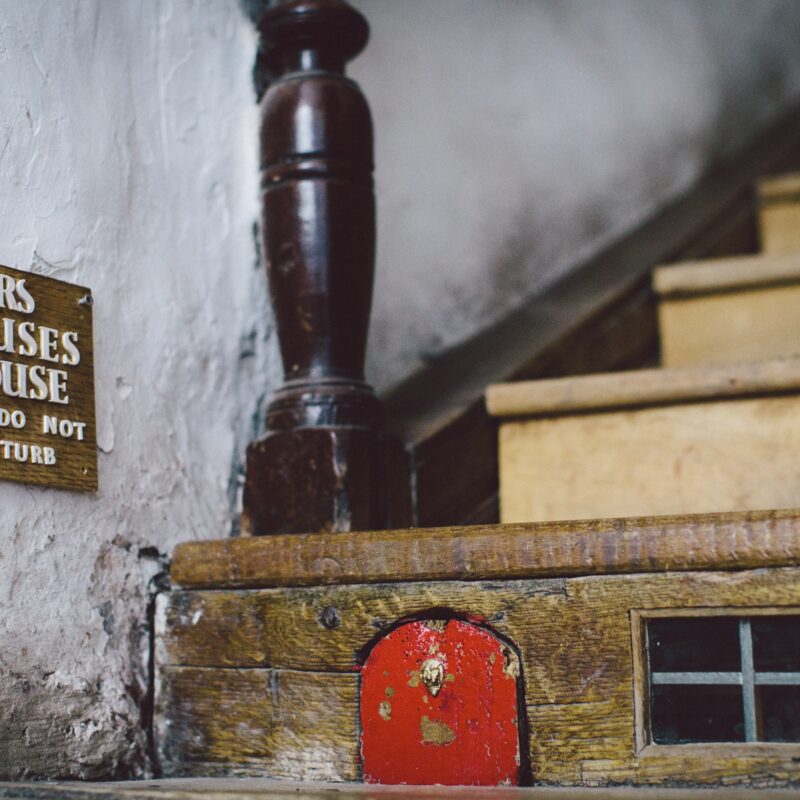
(439, 705)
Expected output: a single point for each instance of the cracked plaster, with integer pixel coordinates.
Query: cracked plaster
(128, 164)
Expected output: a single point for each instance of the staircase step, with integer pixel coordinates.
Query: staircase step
(665, 441)
(779, 213)
(725, 311)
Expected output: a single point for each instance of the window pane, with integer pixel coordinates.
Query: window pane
(684, 714)
(779, 708)
(702, 644)
(776, 643)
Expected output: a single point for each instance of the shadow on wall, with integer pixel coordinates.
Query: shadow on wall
(513, 140)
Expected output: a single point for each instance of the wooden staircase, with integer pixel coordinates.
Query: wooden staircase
(716, 427)
(265, 644)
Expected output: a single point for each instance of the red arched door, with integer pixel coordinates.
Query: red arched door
(439, 705)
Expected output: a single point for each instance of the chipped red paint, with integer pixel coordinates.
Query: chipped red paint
(461, 728)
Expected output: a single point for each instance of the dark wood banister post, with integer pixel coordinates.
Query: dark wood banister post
(322, 462)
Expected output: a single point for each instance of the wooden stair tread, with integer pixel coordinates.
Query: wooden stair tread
(726, 541)
(725, 274)
(642, 387)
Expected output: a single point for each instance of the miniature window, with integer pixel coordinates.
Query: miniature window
(724, 679)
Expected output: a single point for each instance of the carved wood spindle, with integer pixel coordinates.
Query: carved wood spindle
(321, 463)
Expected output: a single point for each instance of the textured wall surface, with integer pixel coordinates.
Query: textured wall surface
(127, 164)
(512, 138)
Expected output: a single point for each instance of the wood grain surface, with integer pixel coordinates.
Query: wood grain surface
(575, 640)
(726, 541)
(294, 725)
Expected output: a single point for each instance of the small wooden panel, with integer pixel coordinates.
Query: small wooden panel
(318, 629)
(779, 214)
(575, 638)
(513, 608)
(592, 547)
(681, 459)
(293, 725)
(47, 410)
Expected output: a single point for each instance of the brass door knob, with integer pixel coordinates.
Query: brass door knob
(432, 674)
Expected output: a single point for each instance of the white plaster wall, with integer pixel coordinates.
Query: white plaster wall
(128, 164)
(514, 137)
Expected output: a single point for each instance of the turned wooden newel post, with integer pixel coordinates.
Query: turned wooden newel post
(321, 463)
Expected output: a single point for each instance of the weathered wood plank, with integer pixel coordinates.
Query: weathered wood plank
(293, 725)
(594, 547)
(321, 629)
(574, 636)
(565, 735)
(765, 766)
(284, 629)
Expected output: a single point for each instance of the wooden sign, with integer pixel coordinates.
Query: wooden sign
(47, 416)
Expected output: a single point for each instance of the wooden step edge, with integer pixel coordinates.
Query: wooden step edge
(725, 274)
(728, 541)
(779, 189)
(641, 388)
